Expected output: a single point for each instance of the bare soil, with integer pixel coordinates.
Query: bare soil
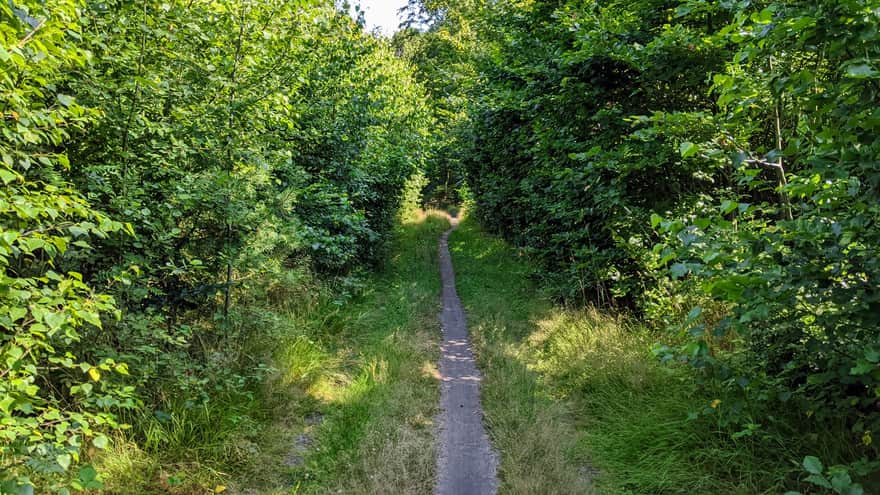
(466, 462)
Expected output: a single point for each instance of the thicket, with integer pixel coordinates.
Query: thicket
(710, 166)
(160, 159)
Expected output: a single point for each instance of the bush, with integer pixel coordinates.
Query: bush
(159, 160)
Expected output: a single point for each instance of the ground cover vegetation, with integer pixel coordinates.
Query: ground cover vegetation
(194, 194)
(709, 168)
(172, 170)
(354, 401)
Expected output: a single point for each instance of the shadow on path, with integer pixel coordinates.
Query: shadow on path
(466, 463)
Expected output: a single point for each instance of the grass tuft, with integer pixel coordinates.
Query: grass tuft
(346, 406)
(361, 370)
(534, 432)
(576, 402)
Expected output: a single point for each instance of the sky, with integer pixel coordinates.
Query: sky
(382, 13)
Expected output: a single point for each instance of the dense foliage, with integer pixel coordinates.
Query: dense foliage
(444, 57)
(711, 166)
(158, 158)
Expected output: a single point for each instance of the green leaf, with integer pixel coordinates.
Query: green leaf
(688, 149)
(655, 220)
(63, 460)
(813, 465)
(727, 206)
(87, 473)
(100, 442)
(90, 317)
(818, 480)
(841, 482)
(861, 71)
(862, 367)
(65, 99)
(12, 487)
(54, 320)
(7, 176)
(679, 270)
(763, 17)
(18, 313)
(854, 489)
(77, 231)
(6, 404)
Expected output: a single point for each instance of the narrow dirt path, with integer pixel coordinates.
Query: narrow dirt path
(466, 463)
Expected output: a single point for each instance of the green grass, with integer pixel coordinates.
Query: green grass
(574, 400)
(368, 373)
(350, 407)
(535, 432)
(576, 403)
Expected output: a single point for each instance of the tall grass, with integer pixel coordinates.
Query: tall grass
(577, 403)
(535, 432)
(340, 396)
(378, 430)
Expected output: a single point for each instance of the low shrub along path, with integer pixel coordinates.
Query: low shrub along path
(466, 463)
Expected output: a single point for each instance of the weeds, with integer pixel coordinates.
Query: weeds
(574, 397)
(346, 403)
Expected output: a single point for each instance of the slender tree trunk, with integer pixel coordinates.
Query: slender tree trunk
(780, 169)
(230, 169)
(127, 131)
(134, 99)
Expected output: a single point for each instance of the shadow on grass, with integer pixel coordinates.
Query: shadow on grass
(379, 400)
(534, 433)
(575, 401)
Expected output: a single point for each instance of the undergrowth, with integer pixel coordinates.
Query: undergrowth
(346, 402)
(575, 397)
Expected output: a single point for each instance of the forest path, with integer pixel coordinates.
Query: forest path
(466, 463)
